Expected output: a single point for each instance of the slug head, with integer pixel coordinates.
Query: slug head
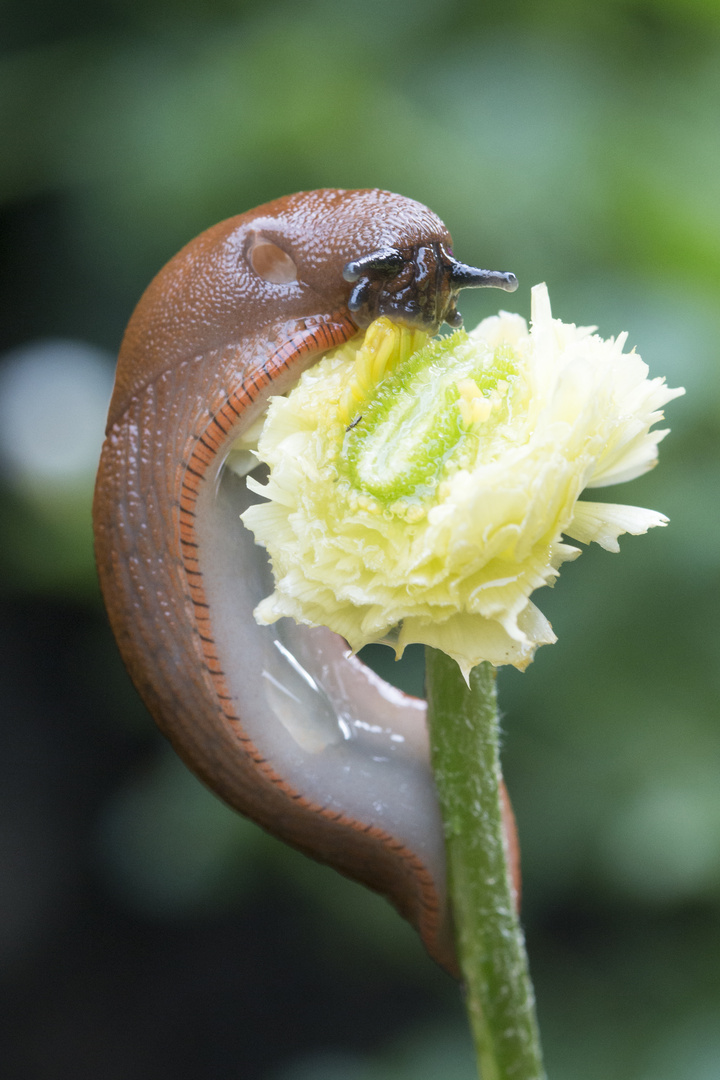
(303, 256)
(394, 253)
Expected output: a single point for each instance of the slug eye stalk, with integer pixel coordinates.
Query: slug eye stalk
(383, 261)
(468, 277)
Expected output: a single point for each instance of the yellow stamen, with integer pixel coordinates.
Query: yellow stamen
(474, 407)
(384, 347)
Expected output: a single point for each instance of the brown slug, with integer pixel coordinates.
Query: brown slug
(282, 722)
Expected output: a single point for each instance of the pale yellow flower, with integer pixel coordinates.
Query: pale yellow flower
(435, 515)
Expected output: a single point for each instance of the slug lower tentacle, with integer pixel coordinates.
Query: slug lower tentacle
(282, 722)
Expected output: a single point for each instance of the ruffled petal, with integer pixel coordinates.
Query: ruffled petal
(604, 522)
(466, 637)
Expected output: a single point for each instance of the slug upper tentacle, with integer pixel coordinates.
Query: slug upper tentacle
(281, 721)
(417, 287)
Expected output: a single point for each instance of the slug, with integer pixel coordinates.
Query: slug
(282, 722)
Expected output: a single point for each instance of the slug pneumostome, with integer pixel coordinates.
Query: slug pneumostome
(281, 721)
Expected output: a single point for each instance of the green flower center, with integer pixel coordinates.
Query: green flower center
(434, 414)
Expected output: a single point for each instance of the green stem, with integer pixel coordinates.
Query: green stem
(491, 948)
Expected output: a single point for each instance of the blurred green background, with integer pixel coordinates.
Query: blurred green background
(145, 930)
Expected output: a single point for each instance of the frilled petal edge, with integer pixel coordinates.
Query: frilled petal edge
(604, 522)
(465, 636)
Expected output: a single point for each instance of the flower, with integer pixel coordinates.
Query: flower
(420, 491)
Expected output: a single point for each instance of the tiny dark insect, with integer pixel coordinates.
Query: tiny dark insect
(355, 423)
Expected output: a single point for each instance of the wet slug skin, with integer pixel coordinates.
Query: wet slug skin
(279, 720)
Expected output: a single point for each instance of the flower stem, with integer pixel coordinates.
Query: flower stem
(464, 728)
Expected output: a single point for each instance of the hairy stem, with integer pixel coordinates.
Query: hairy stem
(491, 948)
